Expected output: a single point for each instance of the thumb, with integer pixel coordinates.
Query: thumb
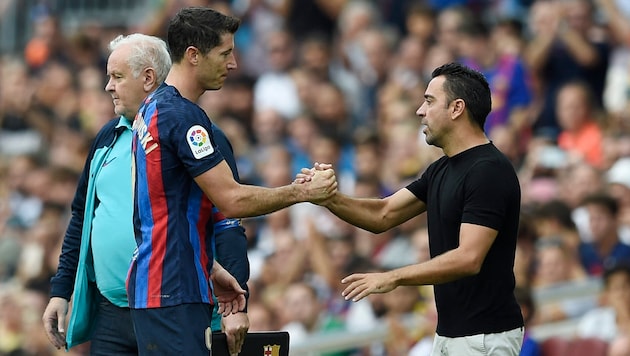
(61, 317)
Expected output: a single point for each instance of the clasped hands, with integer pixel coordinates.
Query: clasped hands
(320, 180)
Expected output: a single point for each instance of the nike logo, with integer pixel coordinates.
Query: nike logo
(108, 162)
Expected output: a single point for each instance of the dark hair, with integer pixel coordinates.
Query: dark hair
(603, 200)
(200, 27)
(474, 28)
(469, 85)
(555, 209)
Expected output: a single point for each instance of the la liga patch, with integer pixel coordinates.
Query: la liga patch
(199, 141)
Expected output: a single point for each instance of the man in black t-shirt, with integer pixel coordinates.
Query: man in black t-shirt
(472, 199)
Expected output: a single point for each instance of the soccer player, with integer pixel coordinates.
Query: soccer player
(180, 173)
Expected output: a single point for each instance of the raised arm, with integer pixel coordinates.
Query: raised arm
(239, 200)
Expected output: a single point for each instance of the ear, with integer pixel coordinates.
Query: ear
(192, 55)
(149, 79)
(458, 106)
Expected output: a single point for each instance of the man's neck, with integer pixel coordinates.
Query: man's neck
(183, 80)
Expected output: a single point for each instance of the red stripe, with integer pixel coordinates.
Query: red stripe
(218, 216)
(159, 210)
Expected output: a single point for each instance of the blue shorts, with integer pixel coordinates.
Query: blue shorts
(179, 330)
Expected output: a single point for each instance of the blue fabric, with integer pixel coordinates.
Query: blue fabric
(113, 331)
(594, 263)
(173, 143)
(159, 331)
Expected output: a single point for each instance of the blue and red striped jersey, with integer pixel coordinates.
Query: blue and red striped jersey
(173, 218)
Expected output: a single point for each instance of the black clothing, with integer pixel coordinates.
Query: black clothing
(477, 186)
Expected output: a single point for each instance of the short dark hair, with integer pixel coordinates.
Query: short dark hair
(603, 200)
(469, 85)
(200, 27)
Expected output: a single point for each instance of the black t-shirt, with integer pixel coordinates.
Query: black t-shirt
(478, 186)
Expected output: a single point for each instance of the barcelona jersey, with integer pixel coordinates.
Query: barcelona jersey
(173, 218)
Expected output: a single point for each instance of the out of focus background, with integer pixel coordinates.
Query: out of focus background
(339, 81)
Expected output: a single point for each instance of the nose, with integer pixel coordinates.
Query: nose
(421, 112)
(232, 65)
(109, 87)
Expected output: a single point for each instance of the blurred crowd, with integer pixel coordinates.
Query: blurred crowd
(339, 81)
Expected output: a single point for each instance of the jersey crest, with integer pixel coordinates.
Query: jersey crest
(271, 350)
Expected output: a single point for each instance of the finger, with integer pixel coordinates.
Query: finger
(240, 340)
(50, 326)
(323, 166)
(351, 278)
(241, 303)
(231, 341)
(361, 295)
(227, 308)
(61, 323)
(221, 308)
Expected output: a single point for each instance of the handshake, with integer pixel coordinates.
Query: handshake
(319, 183)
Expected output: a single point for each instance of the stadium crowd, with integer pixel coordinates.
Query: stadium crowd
(339, 81)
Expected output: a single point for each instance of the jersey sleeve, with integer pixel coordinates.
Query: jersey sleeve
(194, 142)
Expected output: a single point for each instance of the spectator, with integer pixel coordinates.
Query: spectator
(506, 72)
(564, 47)
(606, 247)
(610, 321)
(275, 88)
(580, 132)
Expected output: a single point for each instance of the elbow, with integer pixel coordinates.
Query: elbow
(471, 266)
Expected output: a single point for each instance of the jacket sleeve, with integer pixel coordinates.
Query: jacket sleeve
(62, 283)
(230, 239)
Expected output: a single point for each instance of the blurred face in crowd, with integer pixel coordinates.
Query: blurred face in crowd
(215, 65)
(572, 107)
(126, 90)
(602, 222)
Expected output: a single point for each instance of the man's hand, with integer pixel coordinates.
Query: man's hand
(235, 327)
(320, 182)
(363, 284)
(229, 293)
(54, 319)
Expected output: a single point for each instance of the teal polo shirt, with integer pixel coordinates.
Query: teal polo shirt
(113, 240)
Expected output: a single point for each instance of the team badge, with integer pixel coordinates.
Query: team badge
(199, 141)
(271, 350)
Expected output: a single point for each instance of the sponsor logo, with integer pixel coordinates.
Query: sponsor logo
(199, 141)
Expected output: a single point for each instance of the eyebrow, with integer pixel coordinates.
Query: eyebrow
(428, 96)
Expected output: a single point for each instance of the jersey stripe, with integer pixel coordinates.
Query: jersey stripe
(159, 212)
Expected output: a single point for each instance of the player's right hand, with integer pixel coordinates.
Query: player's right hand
(54, 320)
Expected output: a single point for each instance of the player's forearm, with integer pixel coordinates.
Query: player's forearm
(249, 200)
(360, 212)
(445, 268)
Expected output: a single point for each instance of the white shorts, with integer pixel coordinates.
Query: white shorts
(507, 343)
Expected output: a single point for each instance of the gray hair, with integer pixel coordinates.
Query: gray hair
(147, 51)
